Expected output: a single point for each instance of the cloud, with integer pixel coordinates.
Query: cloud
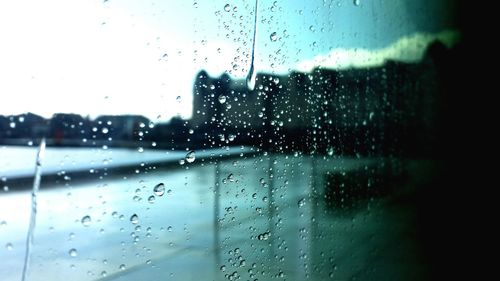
(407, 49)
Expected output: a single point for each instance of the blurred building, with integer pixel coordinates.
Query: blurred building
(379, 110)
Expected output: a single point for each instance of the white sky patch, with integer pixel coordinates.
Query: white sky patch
(74, 62)
(407, 49)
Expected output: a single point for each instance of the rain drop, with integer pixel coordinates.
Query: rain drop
(264, 236)
(190, 156)
(227, 8)
(251, 77)
(301, 202)
(356, 2)
(222, 99)
(273, 37)
(134, 219)
(252, 74)
(73, 253)
(86, 221)
(159, 189)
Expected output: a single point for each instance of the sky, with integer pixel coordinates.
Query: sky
(95, 57)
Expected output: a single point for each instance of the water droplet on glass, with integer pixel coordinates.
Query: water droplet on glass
(222, 99)
(134, 219)
(252, 75)
(178, 99)
(9, 246)
(301, 202)
(73, 253)
(122, 267)
(159, 189)
(86, 220)
(356, 2)
(151, 199)
(190, 156)
(264, 236)
(273, 37)
(227, 8)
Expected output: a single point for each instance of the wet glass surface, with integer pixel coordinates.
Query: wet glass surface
(238, 140)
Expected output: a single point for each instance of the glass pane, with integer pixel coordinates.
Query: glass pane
(238, 140)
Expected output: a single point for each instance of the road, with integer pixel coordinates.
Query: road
(252, 217)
